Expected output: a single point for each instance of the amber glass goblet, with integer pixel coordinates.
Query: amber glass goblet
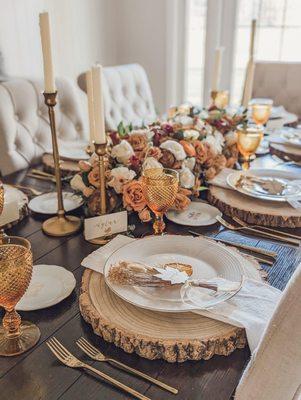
(160, 187)
(248, 140)
(15, 275)
(261, 110)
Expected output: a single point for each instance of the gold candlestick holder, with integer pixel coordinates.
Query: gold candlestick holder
(220, 98)
(60, 225)
(100, 151)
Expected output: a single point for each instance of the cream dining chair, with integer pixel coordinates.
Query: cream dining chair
(24, 124)
(127, 95)
(280, 81)
(274, 372)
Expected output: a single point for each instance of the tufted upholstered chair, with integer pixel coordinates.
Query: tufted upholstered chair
(127, 95)
(274, 372)
(24, 124)
(281, 82)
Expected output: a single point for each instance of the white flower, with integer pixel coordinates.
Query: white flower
(119, 176)
(184, 120)
(231, 138)
(77, 183)
(141, 132)
(200, 124)
(187, 179)
(203, 114)
(189, 162)
(151, 162)
(216, 142)
(122, 152)
(175, 148)
(191, 134)
(149, 134)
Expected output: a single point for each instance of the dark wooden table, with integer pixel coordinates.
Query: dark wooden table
(38, 375)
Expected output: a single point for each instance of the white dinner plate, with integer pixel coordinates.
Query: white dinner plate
(208, 260)
(197, 214)
(47, 202)
(292, 190)
(49, 285)
(292, 137)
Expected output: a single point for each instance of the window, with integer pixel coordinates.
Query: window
(278, 31)
(196, 33)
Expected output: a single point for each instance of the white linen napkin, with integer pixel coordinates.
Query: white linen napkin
(251, 308)
(220, 179)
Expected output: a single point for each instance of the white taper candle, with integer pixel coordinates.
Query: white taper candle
(100, 133)
(90, 106)
(49, 83)
(217, 68)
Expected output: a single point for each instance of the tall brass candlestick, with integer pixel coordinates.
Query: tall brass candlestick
(100, 150)
(60, 225)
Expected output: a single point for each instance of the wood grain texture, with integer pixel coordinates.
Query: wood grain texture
(68, 167)
(174, 337)
(254, 211)
(285, 152)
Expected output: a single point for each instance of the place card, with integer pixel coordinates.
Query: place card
(106, 225)
(10, 212)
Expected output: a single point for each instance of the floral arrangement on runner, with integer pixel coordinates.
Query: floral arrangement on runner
(199, 144)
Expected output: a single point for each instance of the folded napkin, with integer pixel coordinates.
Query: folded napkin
(251, 308)
(220, 179)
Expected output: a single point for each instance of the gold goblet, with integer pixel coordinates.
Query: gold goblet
(261, 110)
(220, 98)
(160, 187)
(248, 140)
(15, 275)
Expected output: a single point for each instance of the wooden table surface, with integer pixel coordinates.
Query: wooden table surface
(38, 375)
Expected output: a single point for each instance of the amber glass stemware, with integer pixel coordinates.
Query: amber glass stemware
(15, 275)
(248, 140)
(160, 187)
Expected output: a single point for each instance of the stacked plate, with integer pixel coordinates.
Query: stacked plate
(208, 260)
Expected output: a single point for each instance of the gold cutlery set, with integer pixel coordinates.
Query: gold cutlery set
(44, 176)
(71, 361)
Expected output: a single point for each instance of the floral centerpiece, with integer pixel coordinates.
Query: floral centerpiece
(196, 143)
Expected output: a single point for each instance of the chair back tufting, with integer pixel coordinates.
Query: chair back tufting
(279, 81)
(24, 123)
(127, 95)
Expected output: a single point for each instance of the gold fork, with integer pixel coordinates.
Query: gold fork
(95, 354)
(35, 192)
(265, 228)
(257, 232)
(71, 361)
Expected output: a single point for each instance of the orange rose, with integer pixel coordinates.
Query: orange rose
(93, 177)
(133, 198)
(201, 151)
(210, 173)
(219, 162)
(145, 215)
(138, 141)
(167, 159)
(94, 202)
(182, 201)
(188, 148)
(84, 166)
(154, 152)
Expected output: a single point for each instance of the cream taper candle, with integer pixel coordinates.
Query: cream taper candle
(217, 68)
(49, 82)
(90, 106)
(100, 133)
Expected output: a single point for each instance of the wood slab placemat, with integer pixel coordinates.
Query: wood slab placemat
(174, 337)
(288, 153)
(252, 210)
(68, 167)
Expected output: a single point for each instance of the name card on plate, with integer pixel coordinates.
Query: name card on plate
(106, 225)
(10, 212)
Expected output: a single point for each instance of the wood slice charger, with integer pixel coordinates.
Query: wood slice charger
(287, 153)
(254, 211)
(174, 337)
(68, 167)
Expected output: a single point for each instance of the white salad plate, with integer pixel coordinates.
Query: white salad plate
(49, 285)
(208, 260)
(197, 214)
(292, 137)
(47, 202)
(292, 189)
